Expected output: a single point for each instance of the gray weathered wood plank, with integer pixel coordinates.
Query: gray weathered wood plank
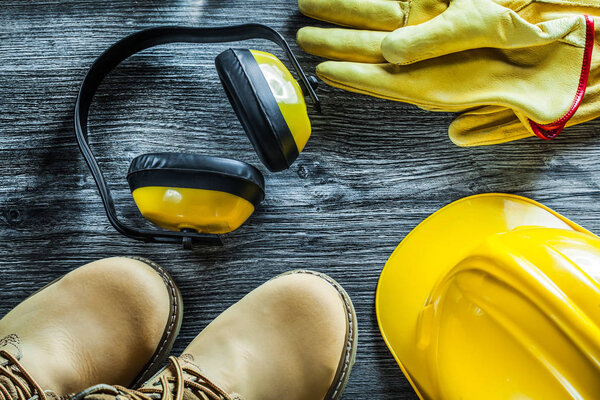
(371, 172)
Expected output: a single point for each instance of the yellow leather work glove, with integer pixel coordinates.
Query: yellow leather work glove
(494, 124)
(529, 60)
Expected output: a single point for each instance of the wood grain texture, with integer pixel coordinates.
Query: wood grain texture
(371, 172)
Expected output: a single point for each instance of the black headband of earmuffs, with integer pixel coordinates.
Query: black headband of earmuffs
(133, 44)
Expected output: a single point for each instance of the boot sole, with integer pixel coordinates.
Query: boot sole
(349, 354)
(171, 330)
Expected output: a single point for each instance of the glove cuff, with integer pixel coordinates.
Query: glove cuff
(551, 130)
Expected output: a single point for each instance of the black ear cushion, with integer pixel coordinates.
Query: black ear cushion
(197, 172)
(256, 108)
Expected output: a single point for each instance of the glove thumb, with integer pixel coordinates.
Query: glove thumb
(470, 24)
(485, 126)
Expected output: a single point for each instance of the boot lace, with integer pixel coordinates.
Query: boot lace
(20, 378)
(184, 377)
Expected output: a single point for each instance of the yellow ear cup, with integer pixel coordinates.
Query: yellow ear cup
(205, 211)
(288, 94)
(206, 194)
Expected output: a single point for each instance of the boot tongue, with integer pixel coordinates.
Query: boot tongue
(10, 387)
(12, 375)
(187, 362)
(100, 392)
(10, 344)
(149, 389)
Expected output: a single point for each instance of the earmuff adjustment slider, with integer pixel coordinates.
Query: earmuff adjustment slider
(187, 241)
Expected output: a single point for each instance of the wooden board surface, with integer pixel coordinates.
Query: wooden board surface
(372, 170)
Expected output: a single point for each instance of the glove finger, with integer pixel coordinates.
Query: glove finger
(469, 79)
(342, 44)
(476, 127)
(487, 125)
(470, 24)
(383, 15)
(387, 81)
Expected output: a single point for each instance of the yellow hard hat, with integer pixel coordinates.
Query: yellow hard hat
(495, 296)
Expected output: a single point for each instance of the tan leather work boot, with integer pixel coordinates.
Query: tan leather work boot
(113, 320)
(293, 338)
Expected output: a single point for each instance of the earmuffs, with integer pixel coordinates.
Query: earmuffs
(194, 197)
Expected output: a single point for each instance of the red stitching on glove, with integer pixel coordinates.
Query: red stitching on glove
(551, 130)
